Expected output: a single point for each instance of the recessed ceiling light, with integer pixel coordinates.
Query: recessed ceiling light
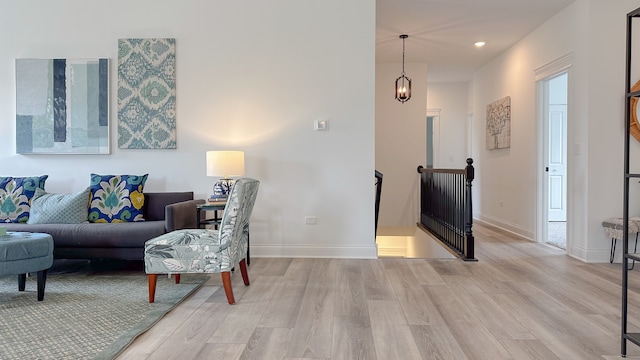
(480, 44)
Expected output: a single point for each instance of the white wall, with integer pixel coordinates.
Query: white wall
(400, 146)
(251, 76)
(451, 99)
(606, 78)
(593, 32)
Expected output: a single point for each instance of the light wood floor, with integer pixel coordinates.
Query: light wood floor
(520, 301)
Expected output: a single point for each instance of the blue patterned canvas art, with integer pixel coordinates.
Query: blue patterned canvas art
(62, 106)
(146, 94)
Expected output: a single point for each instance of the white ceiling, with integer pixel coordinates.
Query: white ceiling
(442, 32)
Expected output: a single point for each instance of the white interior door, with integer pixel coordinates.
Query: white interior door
(554, 141)
(557, 163)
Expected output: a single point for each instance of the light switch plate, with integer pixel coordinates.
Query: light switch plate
(321, 125)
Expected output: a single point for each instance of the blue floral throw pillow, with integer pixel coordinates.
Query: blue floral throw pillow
(116, 198)
(15, 197)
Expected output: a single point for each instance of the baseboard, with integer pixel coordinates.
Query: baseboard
(512, 229)
(603, 255)
(600, 256)
(311, 251)
(582, 254)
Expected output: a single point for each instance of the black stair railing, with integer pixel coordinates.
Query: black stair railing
(446, 207)
(378, 193)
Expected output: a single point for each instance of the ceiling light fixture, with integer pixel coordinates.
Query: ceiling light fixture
(403, 83)
(480, 44)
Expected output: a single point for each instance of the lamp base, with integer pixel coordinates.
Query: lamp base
(222, 188)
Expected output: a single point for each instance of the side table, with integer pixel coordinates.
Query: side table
(202, 220)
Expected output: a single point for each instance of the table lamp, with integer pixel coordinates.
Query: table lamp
(224, 165)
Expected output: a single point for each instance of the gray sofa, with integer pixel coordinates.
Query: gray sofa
(163, 212)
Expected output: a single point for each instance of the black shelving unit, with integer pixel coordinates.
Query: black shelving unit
(629, 95)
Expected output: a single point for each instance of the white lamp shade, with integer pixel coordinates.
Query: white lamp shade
(225, 164)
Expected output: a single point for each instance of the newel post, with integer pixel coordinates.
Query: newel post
(469, 240)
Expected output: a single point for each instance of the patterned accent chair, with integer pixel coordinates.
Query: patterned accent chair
(206, 250)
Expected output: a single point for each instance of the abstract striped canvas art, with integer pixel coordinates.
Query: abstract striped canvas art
(62, 106)
(146, 94)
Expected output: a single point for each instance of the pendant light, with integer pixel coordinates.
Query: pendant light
(403, 83)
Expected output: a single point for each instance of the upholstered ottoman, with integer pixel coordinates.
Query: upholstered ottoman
(24, 252)
(613, 228)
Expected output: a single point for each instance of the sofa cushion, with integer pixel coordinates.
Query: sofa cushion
(116, 198)
(100, 235)
(49, 208)
(15, 197)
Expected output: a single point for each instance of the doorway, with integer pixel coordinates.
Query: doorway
(554, 103)
(430, 120)
(433, 138)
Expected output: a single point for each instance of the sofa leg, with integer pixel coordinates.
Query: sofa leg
(177, 278)
(42, 280)
(243, 271)
(226, 283)
(22, 279)
(153, 279)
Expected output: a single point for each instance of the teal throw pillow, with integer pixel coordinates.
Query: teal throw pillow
(15, 197)
(116, 198)
(49, 208)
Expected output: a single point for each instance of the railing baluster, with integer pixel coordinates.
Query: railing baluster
(446, 207)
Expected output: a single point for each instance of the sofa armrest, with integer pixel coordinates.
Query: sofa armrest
(181, 215)
(156, 202)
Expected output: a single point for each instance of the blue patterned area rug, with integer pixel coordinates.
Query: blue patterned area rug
(88, 311)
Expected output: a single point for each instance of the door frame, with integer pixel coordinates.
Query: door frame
(435, 114)
(541, 74)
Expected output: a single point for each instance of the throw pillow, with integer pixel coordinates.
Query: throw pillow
(116, 198)
(15, 197)
(49, 208)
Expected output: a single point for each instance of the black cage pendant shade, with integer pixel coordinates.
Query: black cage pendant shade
(403, 83)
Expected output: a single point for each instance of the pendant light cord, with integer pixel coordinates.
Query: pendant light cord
(403, 56)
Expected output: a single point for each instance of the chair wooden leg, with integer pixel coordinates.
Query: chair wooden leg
(22, 279)
(226, 283)
(243, 271)
(153, 279)
(42, 279)
(177, 276)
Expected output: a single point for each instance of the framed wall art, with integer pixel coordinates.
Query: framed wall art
(62, 106)
(146, 94)
(499, 124)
